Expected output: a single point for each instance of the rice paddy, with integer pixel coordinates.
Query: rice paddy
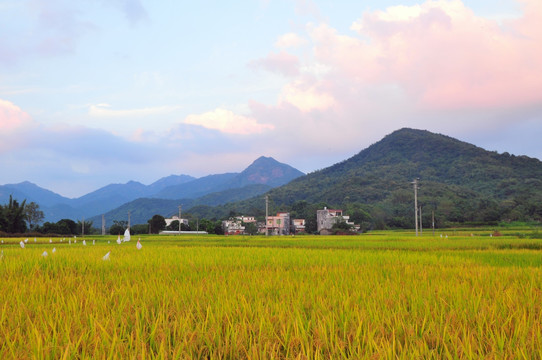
(381, 296)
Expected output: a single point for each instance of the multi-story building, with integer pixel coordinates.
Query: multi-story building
(298, 225)
(235, 226)
(278, 225)
(326, 218)
(176, 218)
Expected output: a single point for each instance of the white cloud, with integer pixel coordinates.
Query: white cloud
(105, 110)
(306, 98)
(228, 122)
(290, 40)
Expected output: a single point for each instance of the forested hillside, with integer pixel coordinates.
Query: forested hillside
(460, 182)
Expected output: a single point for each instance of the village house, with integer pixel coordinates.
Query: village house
(326, 218)
(279, 224)
(176, 218)
(298, 225)
(235, 226)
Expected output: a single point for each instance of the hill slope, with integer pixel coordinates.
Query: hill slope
(459, 182)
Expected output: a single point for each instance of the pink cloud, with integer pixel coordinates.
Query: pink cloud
(12, 118)
(441, 54)
(435, 65)
(282, 63)
(306, 97)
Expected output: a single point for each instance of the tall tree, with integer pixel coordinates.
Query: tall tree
(15, 216)
(158, 223)
(33, 215)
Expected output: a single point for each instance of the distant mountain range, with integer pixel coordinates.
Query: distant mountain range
(460, 183)
(263, 174)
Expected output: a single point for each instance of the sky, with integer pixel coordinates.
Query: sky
(94, 92)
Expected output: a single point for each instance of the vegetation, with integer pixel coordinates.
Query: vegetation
(157, 224)
(460, 184)
(33, 214)
(13, 216)
(384, 295)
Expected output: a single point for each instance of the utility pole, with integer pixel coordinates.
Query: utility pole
(415, 183)
(180, 219)
(103, 224)
(266, 214)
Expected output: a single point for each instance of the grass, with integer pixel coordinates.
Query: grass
(387, 295)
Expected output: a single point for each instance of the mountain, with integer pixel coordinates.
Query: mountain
(264, 170)
(267, 171)
(31, 192)
(460, 182)
(195, 188)
(143, 209)
(170, 180)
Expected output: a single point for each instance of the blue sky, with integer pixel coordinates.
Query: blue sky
(99, 92)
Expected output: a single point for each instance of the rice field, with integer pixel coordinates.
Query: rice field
(386, 295)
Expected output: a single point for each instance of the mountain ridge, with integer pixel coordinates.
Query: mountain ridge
(109, 197)
(460, 183)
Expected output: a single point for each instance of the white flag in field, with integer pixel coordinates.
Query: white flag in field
(106, 256)
(44, 254)
(22, 244)
(54, 250)
(139, 246)
(84, 243)
(25, 241)
(118, 240)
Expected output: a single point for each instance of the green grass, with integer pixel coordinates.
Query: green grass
(386, 295)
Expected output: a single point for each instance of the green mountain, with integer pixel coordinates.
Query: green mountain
(459, 182)
(143, 209)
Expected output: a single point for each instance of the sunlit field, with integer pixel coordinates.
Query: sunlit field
(383, 295)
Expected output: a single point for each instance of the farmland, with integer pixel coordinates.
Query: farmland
(382, 295)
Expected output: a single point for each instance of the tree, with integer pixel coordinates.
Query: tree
(88, 227)
(251, 228)
(70, 224)
(157, 223)
(174, 226)
(33, 215)
(139, 229)
(118, 227)
(13, 216)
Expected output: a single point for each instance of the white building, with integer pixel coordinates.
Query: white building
(328, 217)
(176, 218)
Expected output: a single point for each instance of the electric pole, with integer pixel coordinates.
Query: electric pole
(415, 183)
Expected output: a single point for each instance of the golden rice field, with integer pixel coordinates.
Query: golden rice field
(387, 295)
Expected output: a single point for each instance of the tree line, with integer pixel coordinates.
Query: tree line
(21, 217)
